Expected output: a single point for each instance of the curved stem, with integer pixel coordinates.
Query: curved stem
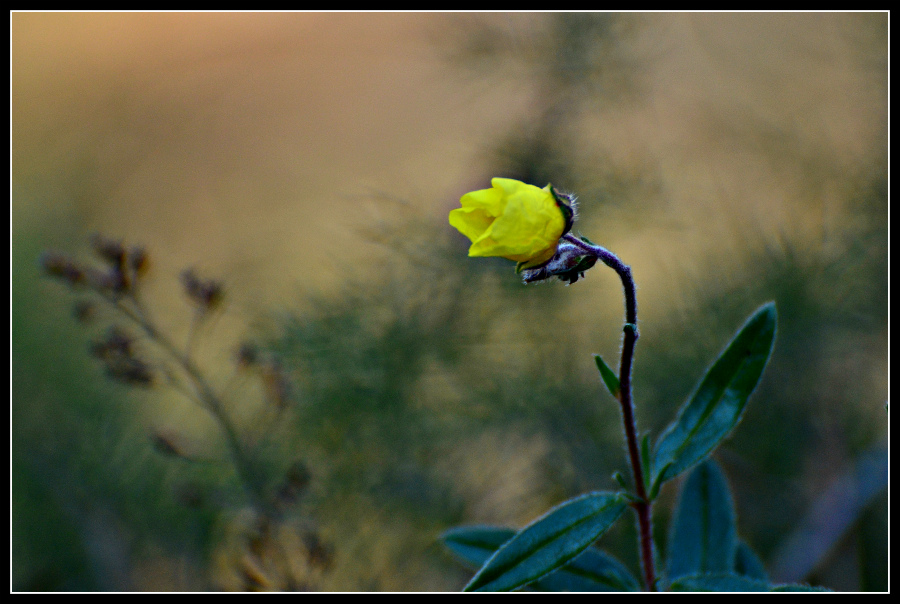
(642, 507)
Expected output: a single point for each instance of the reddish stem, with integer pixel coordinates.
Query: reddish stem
(642, 507)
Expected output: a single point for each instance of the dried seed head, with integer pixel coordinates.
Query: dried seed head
(296, 481)
(117, 353)
(84, 311)
(138, 260)
(206, 294)
(110, 250)
(247, 355)
(116, 343)
(319, 553)
(276, 384)
(62, 267)
(131, 371)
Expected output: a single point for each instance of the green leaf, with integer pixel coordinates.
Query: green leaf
(798, 587)
(718, 402)
(592, 570)
(748, 564)
(549, 542)
(657, 483)
(704, 536)
(473, 545)
(718, 582)
(609, 376)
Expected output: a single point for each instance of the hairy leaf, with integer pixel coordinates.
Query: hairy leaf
(718, 582)
(592, 570)
(718, 402)
(549, 542)
(704, 536)
(473, 545)
(609, 376)
(747, 563)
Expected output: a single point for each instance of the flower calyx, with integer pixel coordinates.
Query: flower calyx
(568, 265)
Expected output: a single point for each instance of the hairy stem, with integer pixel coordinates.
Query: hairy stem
(643, 507)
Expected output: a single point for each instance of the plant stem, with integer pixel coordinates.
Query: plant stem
(210, 401)
(643, 507)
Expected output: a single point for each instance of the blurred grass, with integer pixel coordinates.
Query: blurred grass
(730, 159)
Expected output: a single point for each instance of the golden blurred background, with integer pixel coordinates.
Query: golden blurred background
(308, 161)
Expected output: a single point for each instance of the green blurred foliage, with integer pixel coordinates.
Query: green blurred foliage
(413, 396)
(91, 498)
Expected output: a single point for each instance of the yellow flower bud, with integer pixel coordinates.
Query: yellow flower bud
(513, 220)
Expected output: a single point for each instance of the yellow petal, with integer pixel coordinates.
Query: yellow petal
(490, 200)
(512, 219)
(471, 222)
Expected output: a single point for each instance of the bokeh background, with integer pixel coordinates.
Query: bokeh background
(308, 161)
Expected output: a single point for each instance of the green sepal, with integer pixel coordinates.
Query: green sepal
(564, 203)
(577, 272)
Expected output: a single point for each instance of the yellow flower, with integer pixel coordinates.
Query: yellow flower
(513, 220)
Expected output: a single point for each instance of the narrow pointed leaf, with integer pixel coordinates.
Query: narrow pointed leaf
(549, 542)
(704, 536)
(748, 564)
(592, 570)
(718, 402)
(609, 376)
(657, 483)
(798, 587)
(718, 582)
(473, 545)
